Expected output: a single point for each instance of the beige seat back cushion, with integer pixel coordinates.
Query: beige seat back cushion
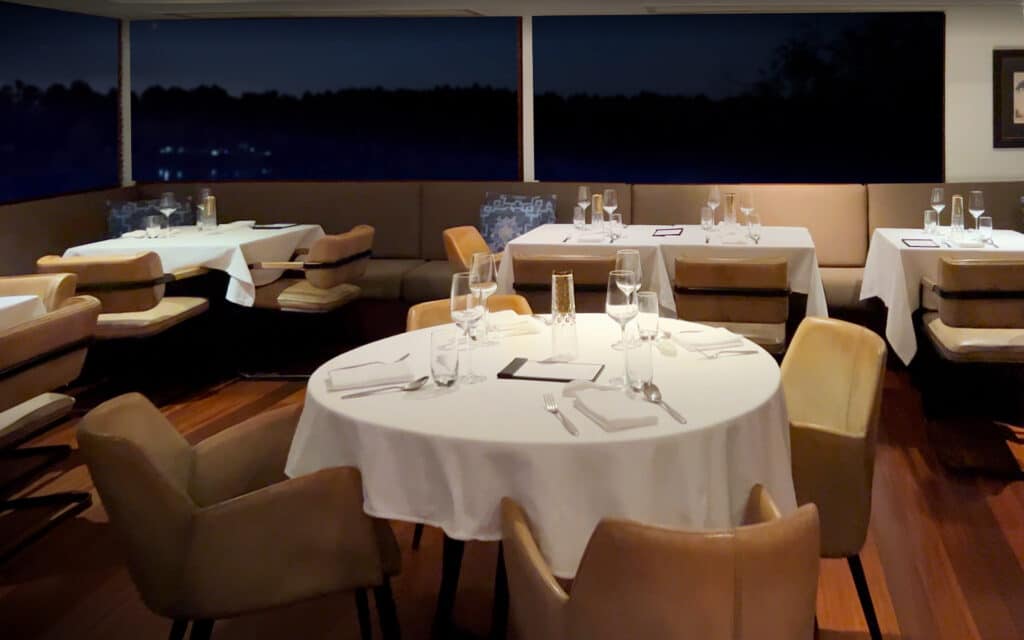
(732, 273)
(339, 247)
(460, 243)
(116, 271)
(532, 276)
(902, 206)
(834, 214)
(976, 276)
(438, 312)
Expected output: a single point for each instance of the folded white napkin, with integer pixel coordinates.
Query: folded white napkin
(735, 239)
(713, 338)
(572, 388)
(138, 233)
(372, 375)
(511, 323)
(593, 236)
(239, 224)
(967, 244)
(613, 410)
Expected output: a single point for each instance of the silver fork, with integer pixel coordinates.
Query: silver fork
(552, 406)
(713, 355)
(366, 364)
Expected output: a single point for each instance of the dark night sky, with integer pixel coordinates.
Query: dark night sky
(293, 56)
(43, 47)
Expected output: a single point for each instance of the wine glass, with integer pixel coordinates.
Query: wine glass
(938, 203)
(483, 283)
(754, 227)
(583, 198)
(611, 202)
(747, 203)
(628, 260)
(167, 206)
(976, 205)
(467, 309)
(714, 199)
(620, 305)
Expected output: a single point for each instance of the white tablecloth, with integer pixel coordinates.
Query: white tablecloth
(446, 457)
(893, 273)
(15, 310)
(229, 249)
(658, 255)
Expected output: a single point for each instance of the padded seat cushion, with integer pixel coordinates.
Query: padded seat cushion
(842, 286)
(295, 294)
(959, 344)
(141, 324)
(431, 280)
(383, 278)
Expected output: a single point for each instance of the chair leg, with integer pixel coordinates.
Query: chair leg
(178, 629)
(417, 535)
(363, 609)
(71, 504)
(201, 630)
(857, 570)
(499, 614)
(451, 565)
(386, 611)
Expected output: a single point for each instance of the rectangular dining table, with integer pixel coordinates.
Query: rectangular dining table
(893, 273)
(658, 254)
(230, 248)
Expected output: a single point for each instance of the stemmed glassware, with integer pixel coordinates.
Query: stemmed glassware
(976, 205)
(483, 283)
(610, 203)
(938, 203)
(714, 199)
(167, 206)
(754, 227)
(747, 204)
(467, 310)
(583, 199)
(628, 260)
(621, 306)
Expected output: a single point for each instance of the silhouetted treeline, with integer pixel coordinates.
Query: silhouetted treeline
(58, 139)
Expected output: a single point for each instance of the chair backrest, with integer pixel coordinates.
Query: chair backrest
(640, 581)
(340, 258)
(832, 378)
(752, 290)
(532, 276)
(983, 294)
(122, 283)
(438, 312)
(460, 243)
(142, 467)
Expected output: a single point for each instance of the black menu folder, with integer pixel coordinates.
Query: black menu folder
(276, 225)
(668, 232)
(523, 369)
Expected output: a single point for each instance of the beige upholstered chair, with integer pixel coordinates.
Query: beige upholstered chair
(976, 310)
(747, 296)
(217, 530)
(36, 358)
(758, 581)
(437, 312)
(330, 268)
(460, 243)
(832, 378)
(130, 289)
(532, 277)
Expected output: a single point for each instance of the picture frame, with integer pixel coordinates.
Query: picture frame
(1008, 98)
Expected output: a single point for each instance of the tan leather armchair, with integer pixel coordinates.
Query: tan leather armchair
(438, 312)
(36, 358)
(460, 243)
(749, 296)
(532, 277)
(329, 269)
(217, 530)
(639, 581)
(130, 289)
(832, 378)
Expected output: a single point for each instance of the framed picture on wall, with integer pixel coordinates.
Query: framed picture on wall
(1008, 98)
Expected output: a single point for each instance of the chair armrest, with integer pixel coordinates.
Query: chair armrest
(290, 265)
(760, 507)
(73, 321)
(537, 595)
(293, 540)
(246, 457)
(190, 272)
(52, 288)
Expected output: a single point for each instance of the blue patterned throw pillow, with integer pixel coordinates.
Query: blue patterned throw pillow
(504, 216)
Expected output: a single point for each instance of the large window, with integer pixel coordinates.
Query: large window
(431, 98)
(740, 98)
(58, 102)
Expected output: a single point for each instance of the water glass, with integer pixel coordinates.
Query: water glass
(956, 222)
(444, 356)
(207, 216)
(931, 221)
(639, 368)
(985, 229)
(615, 225)
(153, 225)
(579, 217)
(754, 227)
(647, 318)
(707, 218)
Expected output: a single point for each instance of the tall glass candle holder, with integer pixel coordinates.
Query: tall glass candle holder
(564, 342)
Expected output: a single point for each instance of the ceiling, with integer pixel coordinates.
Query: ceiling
(176, 9)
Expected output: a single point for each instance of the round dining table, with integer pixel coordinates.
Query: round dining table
(447, 456)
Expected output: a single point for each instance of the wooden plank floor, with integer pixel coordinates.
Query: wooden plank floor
(943, 557)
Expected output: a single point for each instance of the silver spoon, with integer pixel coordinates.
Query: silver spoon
(653, 394)
(408, 386)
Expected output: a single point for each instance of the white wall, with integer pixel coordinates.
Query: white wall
(971, 35)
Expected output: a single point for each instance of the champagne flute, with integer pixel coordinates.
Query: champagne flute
(628, 260)
(167, 206)
(620, 305)
(467, 310)
(483, 284)
(583, 199)
(714, 199)
(610, 203)
(747, 203)
(976, 205)
(754, 227)
(938, 203)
